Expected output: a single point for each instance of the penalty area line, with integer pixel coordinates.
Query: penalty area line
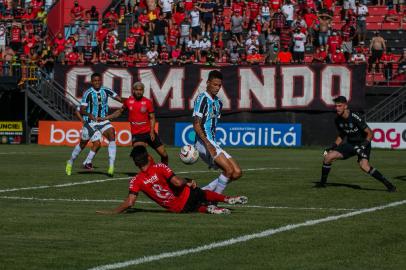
(150, 202)
(241, 239)
(122, 178)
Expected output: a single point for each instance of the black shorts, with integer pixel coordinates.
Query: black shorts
(196, 199)
(347, 150)
(146, 138)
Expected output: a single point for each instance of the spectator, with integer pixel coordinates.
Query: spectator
(265, 12)
(391, 15)
(204, 46)
(15, 36)
(111, 18)
(289, 11)
(361, 12)
(347, 33)
(286, 37)
(324, 28)
(185, 32)
(175, 54)
(164, 56)
(173, 36)
(254, 57)
(160, 31)
(272, 56)
(194, 48)
(195, 21)
(358, 57)
(251, 42)
(92, 16)
(237, 7)
(299, 41)
(376, 47)
(76, 13)
(219, 25)
(207, 9)
(234, 57)
(179, 16)
(233, 44)
(402, 62)
(254, 9)
(334, 42)
(152, 56)
(320, 56)
(166, 7)
(284, 57)
(272, 41)
(101, 36)
(237, 22)
(387, 60)
(312, 22)
(337, 57)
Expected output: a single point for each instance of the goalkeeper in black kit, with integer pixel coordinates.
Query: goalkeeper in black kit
(352, 127)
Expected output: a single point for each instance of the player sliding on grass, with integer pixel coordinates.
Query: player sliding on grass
(359, 136)
(170, 191)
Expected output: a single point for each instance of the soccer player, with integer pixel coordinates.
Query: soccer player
(170, 191)
(94, 107)
(207, 111)
(88, 134)
(351, 126)
(142, 119)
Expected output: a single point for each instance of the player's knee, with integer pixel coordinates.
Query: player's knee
(364, 165)
(237, 173)
(228, 172)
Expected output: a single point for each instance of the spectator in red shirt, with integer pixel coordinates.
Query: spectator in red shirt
(238, 7)
(112, 18)
(164, 56)
(72, 58)
(337, 57)
(178, 16)
(141, 116)
(15, 37)
(285, 56)
(59, 44)
(76, 12)
(334, 42)
(29, 42)
(320, 56)
(170, 191)
(101, 35)
(387, 60)
(173, 36)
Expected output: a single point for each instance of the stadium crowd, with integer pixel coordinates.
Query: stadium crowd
(211, 32)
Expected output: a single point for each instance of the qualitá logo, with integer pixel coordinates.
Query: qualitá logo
(245, 134)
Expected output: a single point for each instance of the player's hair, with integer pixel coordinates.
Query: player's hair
(215, 74)
(96, 74)
(138, 84)
(139, 155)
(340, 99)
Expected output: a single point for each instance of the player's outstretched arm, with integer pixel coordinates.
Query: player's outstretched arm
(180, 182)
(126, 204)
(115, 114)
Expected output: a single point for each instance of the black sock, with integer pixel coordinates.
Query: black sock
(378, 176)
(325, 170)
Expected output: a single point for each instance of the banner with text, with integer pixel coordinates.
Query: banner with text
(245, 88)
(11, 132)
(245, 134)
(389, 135)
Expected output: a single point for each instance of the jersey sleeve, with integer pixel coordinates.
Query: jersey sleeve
(110, 92)
(150, 107)
(359, 121)
(85, 98)
(165, 171)
(135, 185)
(200, 107)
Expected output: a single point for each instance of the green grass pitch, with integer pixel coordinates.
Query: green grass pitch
(45, 224)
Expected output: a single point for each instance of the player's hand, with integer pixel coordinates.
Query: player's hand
(328, 149)
(192, 184)
(152, 135)
(91, 117)
(100, 119)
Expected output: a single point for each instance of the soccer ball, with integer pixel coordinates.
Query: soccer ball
(188, 154)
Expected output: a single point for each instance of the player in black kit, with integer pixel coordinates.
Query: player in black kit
(351, 126)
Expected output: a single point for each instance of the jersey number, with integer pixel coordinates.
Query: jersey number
(161, 192)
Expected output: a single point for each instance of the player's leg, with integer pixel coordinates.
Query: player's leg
(110, 134)
(366, 167)
(96, 144)
(222, 160)
(343, 151)
(159, 147)
(75, 153)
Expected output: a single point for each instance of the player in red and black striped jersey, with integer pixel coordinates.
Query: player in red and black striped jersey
(170, 191)
(358, 143)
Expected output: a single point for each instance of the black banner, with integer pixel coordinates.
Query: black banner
(245, 88)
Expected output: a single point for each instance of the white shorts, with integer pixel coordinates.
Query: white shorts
(205, 154)
(93, 131)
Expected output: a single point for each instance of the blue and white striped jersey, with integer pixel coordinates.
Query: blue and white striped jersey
(209, 110)
(96, 101)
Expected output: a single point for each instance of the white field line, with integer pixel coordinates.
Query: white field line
(150, 202)
(122, 178)
(241, 239)
(17, 153)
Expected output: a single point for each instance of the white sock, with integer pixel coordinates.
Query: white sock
(112, 153)
(221, 184)
(75, 153)
(89, 157)
(211, 186)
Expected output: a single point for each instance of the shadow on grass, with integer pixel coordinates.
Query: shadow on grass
(401, 177)
(139, 210)
(92, 172)
(350, 186)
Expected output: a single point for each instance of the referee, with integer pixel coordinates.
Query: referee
(351, 126)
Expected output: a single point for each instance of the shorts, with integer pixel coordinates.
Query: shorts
(89, 133)
(196, 31)
(146, 138)
(93, 127)
(361, 26)
(196, 199)
(347, 150)
(218, 28)
(205, 154)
